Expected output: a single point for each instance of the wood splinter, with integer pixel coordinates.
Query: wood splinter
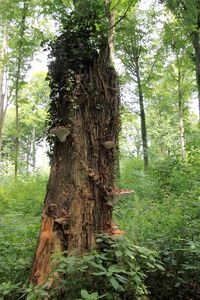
(124, 192)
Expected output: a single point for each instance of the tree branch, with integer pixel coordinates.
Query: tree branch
(122, 17)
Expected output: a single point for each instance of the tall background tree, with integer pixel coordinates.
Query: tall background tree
(138, 50)
(21, 38)
(188, 13)
(33, 100)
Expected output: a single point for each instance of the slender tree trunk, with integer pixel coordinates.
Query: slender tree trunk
(33, 148)
(138, 142)
(143, 119)
(1, 110)
(17, 122)
(180, 113)
(111, 19)
(28, 155)
(27, 162)
(2, 121)
(2, 88)
(18, 75)
(196, 44)
(82, 171)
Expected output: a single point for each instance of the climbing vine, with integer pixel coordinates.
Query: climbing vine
(83, 34)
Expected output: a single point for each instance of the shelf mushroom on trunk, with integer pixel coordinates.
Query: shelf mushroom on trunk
(61, 132)
(108, 145)
(116, 194)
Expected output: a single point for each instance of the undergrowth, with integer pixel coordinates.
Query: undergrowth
(162, 215)
(115, 270)
(20, 214)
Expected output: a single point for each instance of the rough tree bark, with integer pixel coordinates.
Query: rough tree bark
(76, 205)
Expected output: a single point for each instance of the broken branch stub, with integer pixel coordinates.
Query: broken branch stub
(122, 193)
(61, 132)
(115, 195)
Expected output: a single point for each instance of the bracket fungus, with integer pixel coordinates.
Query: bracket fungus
(108, 145)
(61, 132)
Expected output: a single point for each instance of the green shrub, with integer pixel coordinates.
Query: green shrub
(163, 215)
(177, 177)
(116, 270)
(181, 278)
(132, 176)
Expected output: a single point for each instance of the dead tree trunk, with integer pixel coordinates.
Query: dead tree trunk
(85, 103)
